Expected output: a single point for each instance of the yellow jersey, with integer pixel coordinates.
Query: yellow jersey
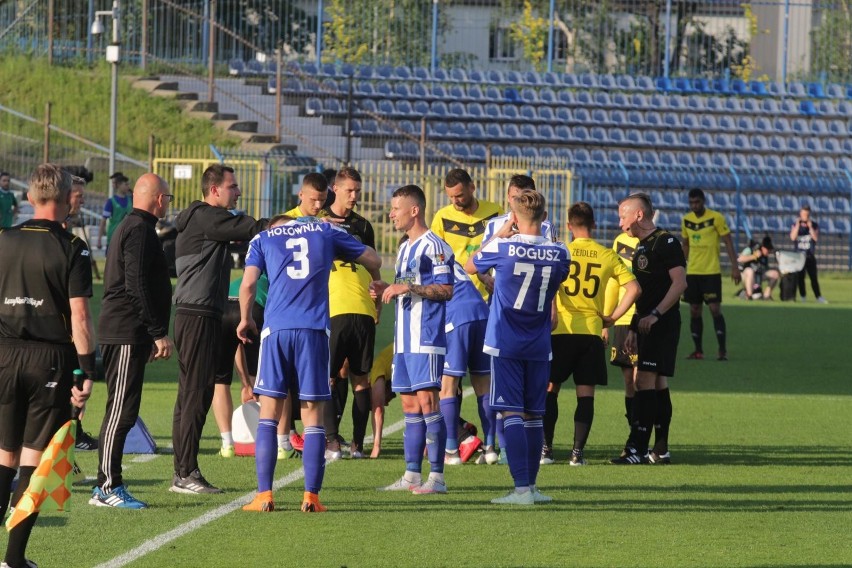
(382, 364)
(580, 300)
(703, 234)
(624, 246)
(464, 232)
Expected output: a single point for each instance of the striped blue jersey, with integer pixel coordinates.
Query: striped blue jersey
(297, 258)
(527, 274)
(467, 304)
(494, 225)
(420, 322)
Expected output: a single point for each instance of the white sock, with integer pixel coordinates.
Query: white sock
(227, 439)
(522, 489)
(413, 477)
(284, 442)
(434, 475)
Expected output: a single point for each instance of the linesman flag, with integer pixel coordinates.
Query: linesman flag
(50, 485)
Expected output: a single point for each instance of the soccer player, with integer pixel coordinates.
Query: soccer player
(467, 316)
(517, 184)
(380, 376)
(624, 246)
(422, 286)
(462, 223)
(205, 229)
(133, 327)
(659, 267)
(578, 349)
(353, 315)
(46, 332)
(312, 196)
(527, 272)
(297, 258)
(116, 207)
(701, 230)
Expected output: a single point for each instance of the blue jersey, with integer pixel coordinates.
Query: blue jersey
(297, 258)
(420, 322)
(494, 225)
(527, 274)
(467, 304)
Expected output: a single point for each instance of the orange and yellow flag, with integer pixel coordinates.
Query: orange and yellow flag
(50, 484)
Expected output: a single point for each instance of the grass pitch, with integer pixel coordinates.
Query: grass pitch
(761, 477)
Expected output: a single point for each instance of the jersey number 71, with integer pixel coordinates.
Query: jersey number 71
(528, 271)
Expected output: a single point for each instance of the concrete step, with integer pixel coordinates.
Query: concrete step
(235, 126)
(152, 85)
(266, 147)
(177, 95)
(214, 116)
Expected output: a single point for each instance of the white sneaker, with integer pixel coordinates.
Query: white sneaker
(539, 497)
(491, 456)
(401, 484)
(803, 298)
(515, 498)
(356, 455)
(431, 486)
(452, 458)
(331, 455)
(822, 300)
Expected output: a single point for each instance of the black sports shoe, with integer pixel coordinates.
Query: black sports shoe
(577, 458)
(546, 455)
(85, 441)
(193, 484)
(629, 456)
(659, 459)
(723, 356)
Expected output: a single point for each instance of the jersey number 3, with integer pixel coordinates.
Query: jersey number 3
(300, 256)
(528, 270)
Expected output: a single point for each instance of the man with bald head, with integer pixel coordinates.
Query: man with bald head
(133, 328)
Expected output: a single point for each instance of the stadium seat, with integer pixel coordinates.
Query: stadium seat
(475, 131)
(814, 144)
(546, 114)
(570, 80)
(690, 121)
(654, 119)
(546, 133)
(671, 120)
(769, 106)
(529, 96)
(566, 97)
(707, 122)
(563, 132)
(461, 151)
(733, 105)
(826, 164)
(758, 88)
(313, 106)
(457, 110)
(741, 142)
(764, 125)
(512, 151)
(714, 104)
(652, 138)
(510, 112)
(727, 123)
(633, 137)
(777, 143)
(598, 134)
(564, 154)
(236, 67)
(514, 77)
(564, 115)
(580, 134)
(402, 73)
(528, 112)
(635, 118)
(751, 106)
(437, 129)
(493, 131)
(458, 130)
(826, 108)
(528, 132)
(796, 90)
(393, 149)
(495, 76)
(795, 144)
(475, 111)
(582, 116)
(457, 93)
(807, 108)
(547, 96)
(478, 152)
(477, 77)
(403, 108)
(759, 142)
(511, 132)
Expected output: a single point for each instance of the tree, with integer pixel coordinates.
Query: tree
(832, 43)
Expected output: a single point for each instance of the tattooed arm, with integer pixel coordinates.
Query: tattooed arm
(434, 292)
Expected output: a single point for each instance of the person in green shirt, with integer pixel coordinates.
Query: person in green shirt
(116, 207)
(8, 202)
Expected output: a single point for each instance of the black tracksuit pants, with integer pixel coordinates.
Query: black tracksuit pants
(124, 367)
(198, 340)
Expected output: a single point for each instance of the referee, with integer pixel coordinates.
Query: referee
(134, 326)
(660, 269)
(45, 333)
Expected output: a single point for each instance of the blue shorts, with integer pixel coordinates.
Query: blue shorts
(412, 372)
(293, 359)
(519, 385)
(464, 350)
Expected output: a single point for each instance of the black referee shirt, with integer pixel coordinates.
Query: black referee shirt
(655, 255)
(42, 267)
(137, 289)
(357, 226)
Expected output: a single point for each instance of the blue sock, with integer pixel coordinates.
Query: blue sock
(486, 417)
(450, 410)
(313, 457)
(265, 453)
(436, 436)
(498, 427)
(534, 430)
(414, 440)
(516, 450)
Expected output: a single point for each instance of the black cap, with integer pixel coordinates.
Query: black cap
(767, 243)
(119, 177)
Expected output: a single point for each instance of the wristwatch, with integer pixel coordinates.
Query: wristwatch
(656, 313)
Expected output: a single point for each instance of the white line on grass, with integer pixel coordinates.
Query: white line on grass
(154, 544)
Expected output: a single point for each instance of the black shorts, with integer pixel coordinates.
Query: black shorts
(658, 349)
(35, 393)
(706, 288)
(580, 356)
(617, 356)
(228, 347)
(353, 337)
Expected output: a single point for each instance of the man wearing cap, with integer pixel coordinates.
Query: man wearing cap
(116, 207)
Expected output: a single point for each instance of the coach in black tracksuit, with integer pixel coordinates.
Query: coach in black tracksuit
(201, 255)
(134, 322)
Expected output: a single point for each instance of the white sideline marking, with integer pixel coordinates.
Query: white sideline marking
(144, 458)
(154, 544)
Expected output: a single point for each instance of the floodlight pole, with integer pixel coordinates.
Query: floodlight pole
(113, 56)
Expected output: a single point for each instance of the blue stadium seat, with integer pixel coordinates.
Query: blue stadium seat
(722, 86)
(727, 123)
(639, 101)
(844, 163)
(475, 131)
(532, 78)
(807, 108)
(551, 78)
(458, 130)
(751, 106)
(497, 151)
(385, 106)
(236, 67)
(580, 134)
(707, 122)
(528, 112)
(493, 131)
(635, 118)
(714, 104)
(598, 134)
(755, 202)
(475, 111)
(529, 96)
(477, 77)
(404, 108)
(547, 153)
(514, 78)
(633, 136)
(653, 119)
(493, 111)
(650, 158)
(826, 164)
(818, 127)
(600, 116)
(512, 151)
(582, 116)
(758, 88)
(493, 94)
(777, 143)
(796, 90)
(495, 76)
(441, 75)
(633, 158)
(511, 132)
(671, 120)
(722, 141)
(733, 105)
(570, 80)
(599, 156)
(792, 163)
(457, 93)
(313, 106)
(478, 152)
(616, 136)
(690, 121)
(566, 97)
(510, 112)
(459, 75)
(563, 114)
(384, 71)
(438, 129)
(457, 109)
(764, 125)
(384, 89)
(547, 96)
(826, 108)
(461, 151)
(529, 132)
(759, 142)
(814, 144)
(421, 74)
(844, 108)
(652, 138)
(364, 89)
(546, 114)
(334, 107)
(438, 109)
(420, 91)
(563, 132)
(393, 149)
(564, 154)
(255, 67)
(545, 132)
(367, 105)
(704, 140)
(530, 152)
(658, 102)
(795, 144)
(841, 205)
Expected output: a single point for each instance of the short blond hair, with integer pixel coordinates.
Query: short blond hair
(530, 205)
(49, 182)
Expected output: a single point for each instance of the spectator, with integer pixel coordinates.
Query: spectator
(805, 233)
(8, 201)
(116, 207)
(754, 263)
